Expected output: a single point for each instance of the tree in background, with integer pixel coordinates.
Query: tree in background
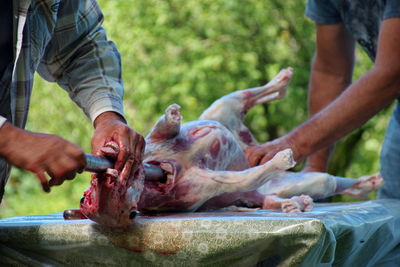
(191, 53)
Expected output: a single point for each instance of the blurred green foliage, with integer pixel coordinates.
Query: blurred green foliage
(191, 53)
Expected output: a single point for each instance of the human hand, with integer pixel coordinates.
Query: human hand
(40, 154)
(257, 155)
(112, 127)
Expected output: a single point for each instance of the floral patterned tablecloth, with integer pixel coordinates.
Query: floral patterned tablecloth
(359, 234)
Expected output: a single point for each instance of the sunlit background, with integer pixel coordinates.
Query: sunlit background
(191, 53)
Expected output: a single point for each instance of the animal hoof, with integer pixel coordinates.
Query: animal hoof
(297, 204)
(364, 186)
(172, 113)
(290, 206)
(284, 159)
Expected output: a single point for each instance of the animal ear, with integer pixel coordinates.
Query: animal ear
(168, 126)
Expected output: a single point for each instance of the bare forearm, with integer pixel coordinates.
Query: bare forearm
(351, 109)
(325, 87)
(6, 132)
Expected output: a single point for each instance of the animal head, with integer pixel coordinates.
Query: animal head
(112, 200)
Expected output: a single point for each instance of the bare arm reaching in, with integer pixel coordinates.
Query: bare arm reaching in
(358, 103)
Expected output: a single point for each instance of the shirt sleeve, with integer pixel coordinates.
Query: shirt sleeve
(392, 9)
(2, 120)
(82, 61)
(322, 12)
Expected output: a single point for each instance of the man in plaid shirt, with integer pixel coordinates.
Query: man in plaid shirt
(64, 42)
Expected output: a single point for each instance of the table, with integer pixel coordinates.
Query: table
(340, 234)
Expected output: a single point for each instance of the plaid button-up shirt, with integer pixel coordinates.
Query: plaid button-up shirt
(64, 42)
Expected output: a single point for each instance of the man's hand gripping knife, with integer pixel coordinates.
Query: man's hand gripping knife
(41, 153)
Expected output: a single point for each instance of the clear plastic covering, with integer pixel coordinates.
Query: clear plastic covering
(340, 234)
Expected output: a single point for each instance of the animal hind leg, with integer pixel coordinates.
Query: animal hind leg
(291, 191)
(320, 185)
(255, 199)
(360, 187)
(239, 102)
(230, 109)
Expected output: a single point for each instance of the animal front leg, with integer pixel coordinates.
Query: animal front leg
(168, 126)
(252, 178)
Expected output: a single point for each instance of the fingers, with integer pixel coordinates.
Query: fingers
(134, 154)
(126, 171)
(46, 153)
(257, 155)
(98, 145)
(139, 146)
(125, 149)
(265, 158)
(65, 167)
(131, 148)
(43, 181)
(135, 159)
(253, 156)
(130, 143)
(110, 150)
(58, 179)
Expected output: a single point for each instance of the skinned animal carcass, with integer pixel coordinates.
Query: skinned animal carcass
(204, 167)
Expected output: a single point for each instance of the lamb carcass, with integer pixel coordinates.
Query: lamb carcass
(204, 167)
